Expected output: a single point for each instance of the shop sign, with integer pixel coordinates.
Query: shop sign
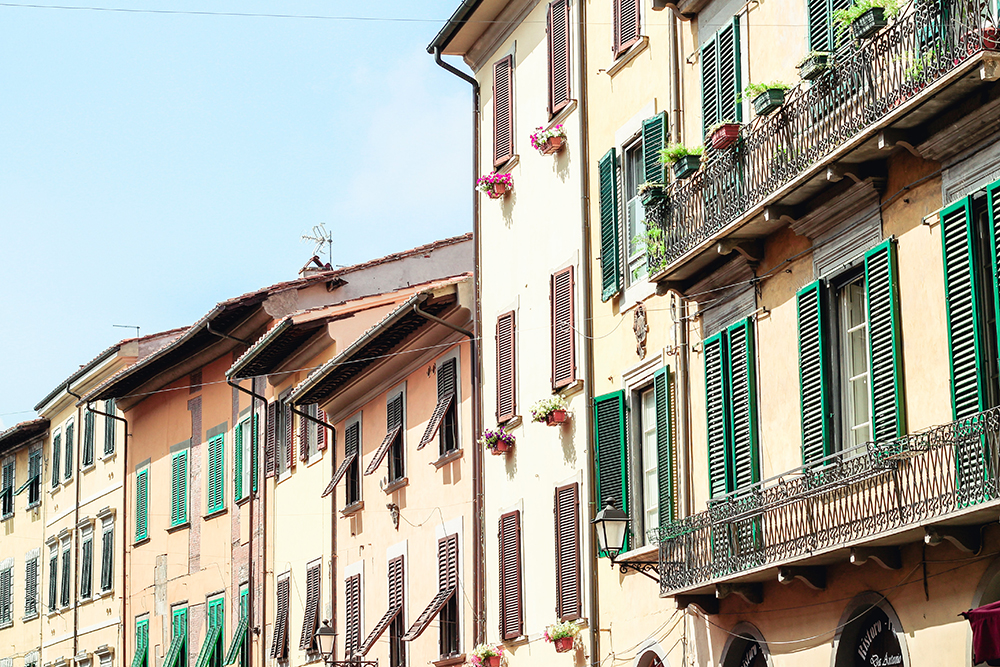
(878, 645)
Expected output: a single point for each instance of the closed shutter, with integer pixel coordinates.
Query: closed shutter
(665, 449)
(178, 488)
(141, 643)
(503, 110)
(321, 430)
(510, 575)
(110, 426)
(720, 77)
(627, 26)
(254, 447)
(611, 276)
(352, 623)
(813, 374)
(448, 562)
(270, 440)
(567, 524)
(88, 437)
(216, 467)
(289, 449)
(107, 559)
(87, 568)
(6, 596)
(396, 582)
(709, 84)
(310, 621)
(822, 36)
(279, 637)
(506, 369)
(64, 596)
(141, 504)
(557, 28)
(742, 385)
(238, 461)
(53, 578)
(56, 461)
(882, 285)
(394, 430)
(35, 475)
(31, 587)
(562, 297)
(715, 415)
(609, 432)
(68, 458)
(654, 136)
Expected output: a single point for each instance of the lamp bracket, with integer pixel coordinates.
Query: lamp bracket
(642, 567)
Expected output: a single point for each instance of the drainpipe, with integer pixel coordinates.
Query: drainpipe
(673, 46)
(679, 311)
(76, 517)
(123, 633)
(478, 523)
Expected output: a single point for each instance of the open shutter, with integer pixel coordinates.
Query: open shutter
(709, 85)
(289, 449)
(279, 636)
(303, 437)
(561, 297)
(654, 136)
(813, 365)
(626, 25)
(742, 385)
(882, 298)
(506, 369)
(503, 110)
(567, 524)
(31, 587)
(141, 504)
(609, 432)
(270, 463)
(819, 25)
(715, 409)
(611, 277)
(447, 386)
(728, 41)
(993, 205)
(665, 448)
(557, 28)
(321, 431)
(510, 575)
(310, 621)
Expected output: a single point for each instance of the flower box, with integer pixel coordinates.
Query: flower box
(501, 448)
(499, 190)
(725, 136)
(868, 23)
(563, 644)
(768, 101)
(556, 417)
(553, 145)
(651, 195)
(550, 141)
(686, 166)
(492, 661)
(813, 66)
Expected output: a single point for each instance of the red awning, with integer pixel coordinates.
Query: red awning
(985, 622)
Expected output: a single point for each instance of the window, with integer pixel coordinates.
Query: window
(7, 488)
(34, 476)
(562, 296)
(286, 459)
(657, 465)
(210, 654)
(6, 593)
(177, 653)
(352, 619)
(310, 621)
(107, 554)
(56, 467)
(506, 369)
(448, 579)
(503, 111)
(31, 659)
(87, 563)
(53, 576)
(511, 601)
(650, 470)
(216, 496)
(627, 25)
(110, 427)
(88, 437)
(607, 169)
(279, 638)
(610, 452)
(308, 433)
(850, 374)
(270, 440)
(64, 596)
(557, 28)
(397, 648)
(141, 642)
(444, 420)
(142, 504)
(179, 488)
(822, 35)
(68, 454)
(720, 77)
(239, 648)
(245, 458)
(31, 581)
(635, 214)
(567, 536)
(393, 444)
(352, 453)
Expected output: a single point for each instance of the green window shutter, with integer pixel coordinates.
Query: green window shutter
(178, 488)
(238, 462)
(142, 504)
(611, 275)
(993, 204)
(141, 658)
(68, 453)
(813, 375)
(715, 415)
(609, 449)
(666, 457)
(962, 301)
(819, 24)
(216, 469)
(742, 386)
(216, 612)
(88, 437)
(728, 41)
(56, 451)
(654, 136)
(179, 630)
(253, 454)
(709, 85)
(882, 285)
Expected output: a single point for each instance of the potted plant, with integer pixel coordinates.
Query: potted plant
(550, 410)
(724, 134)
(498, 441)
(865, 17)
(562, 634)
(766, 96)
(487, 655)
(685, 161)
(495, 185)
(813, 64)
(650, 192)
(548, 141)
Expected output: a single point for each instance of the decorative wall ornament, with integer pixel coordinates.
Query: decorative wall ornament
(641, 328)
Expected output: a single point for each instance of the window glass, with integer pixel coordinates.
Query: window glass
(855, 393)
(634, 212)
(650, 478)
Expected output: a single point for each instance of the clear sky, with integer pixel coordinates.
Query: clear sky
(152, 165)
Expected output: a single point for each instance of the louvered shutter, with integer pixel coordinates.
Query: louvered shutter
(654, 136)
(270, 463)
(567, 524)
(6, 599)
(819, 25)
(56, 461)
(321, 431)
(665, 449)
(238, 461)
(88, 437)
(396, 582)
(715, 415)
(448, 562)
(627, 26)
(510, 575)
(742, 386)
(728, 41)
(310, 621)
(993, 207)
(303, 437)
(563, 334)
(352, 623)
(289, 449)
(709, 84)
(609, 432)
(109, 427)
(611, 277)
(506, 369)
(352, 455)
(31, 587)
(813, 374)
(68, 458)
(141, 504)
(64, 596)
(882, 298)
(216, 466)
(279, 638)
(254, 447)
(557, 28)
(503, 110)
(87, 568)
(107, 559)
(53, 578)
(178, 488)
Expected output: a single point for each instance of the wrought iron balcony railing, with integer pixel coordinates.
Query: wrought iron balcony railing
(844, 500)
(864, 85)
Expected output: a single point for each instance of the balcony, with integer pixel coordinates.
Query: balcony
(885, 89)
(882, 494)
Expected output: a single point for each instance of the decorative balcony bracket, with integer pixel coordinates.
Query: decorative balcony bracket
(752, 250)
(887, 557)
(891, 137)
(967, 538)
(752, 593)
(709, 604)
(814, 577)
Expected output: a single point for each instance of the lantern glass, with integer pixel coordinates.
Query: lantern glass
(325, 637)
(611, 524)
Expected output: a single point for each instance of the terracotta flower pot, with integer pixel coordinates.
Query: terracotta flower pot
(725, 136)
(563, 644)
(553, 145)
(499, 190)
(991, 37)
(501, 448)
(556, 417)
(492, 661)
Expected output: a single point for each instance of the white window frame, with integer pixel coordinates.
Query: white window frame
(626, 136)
(635, 381)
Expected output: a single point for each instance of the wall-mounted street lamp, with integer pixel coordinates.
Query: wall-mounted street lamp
(326, 639)
(612, 526)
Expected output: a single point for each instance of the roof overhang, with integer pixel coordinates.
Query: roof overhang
(282, 340)
(23, 433)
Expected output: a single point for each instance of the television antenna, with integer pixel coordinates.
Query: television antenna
(127, 326)
(321, 237)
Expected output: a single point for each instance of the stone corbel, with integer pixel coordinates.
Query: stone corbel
(814, 576)
(709, 604)
(752, 593)
(967, 538)
(888, 557)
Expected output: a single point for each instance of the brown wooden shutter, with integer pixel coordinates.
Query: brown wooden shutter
(270, 464)
(303, 437)
(567, 524)
(503, 110)
(559, 55)
(396, 582)
(563, 333)
(448, 562)
(289, 444)
(352, 621)
(321, 431)
(279, 638)
(506, 387)
(511, 603)
(627, 25)
(310, 622)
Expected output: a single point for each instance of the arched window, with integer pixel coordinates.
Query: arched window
(650, 654)
(869, 627)
(745, 648)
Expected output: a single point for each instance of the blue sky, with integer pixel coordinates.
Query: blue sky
(153, 165)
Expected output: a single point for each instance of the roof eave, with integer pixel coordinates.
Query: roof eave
(101, 358)
(250, 355)
(454, 24)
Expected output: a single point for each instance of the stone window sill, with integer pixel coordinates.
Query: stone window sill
(629, 55)
(179, 527)
(450, 660)
(353, 508)
(215, 513)
(447, 458)
(396, 485)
